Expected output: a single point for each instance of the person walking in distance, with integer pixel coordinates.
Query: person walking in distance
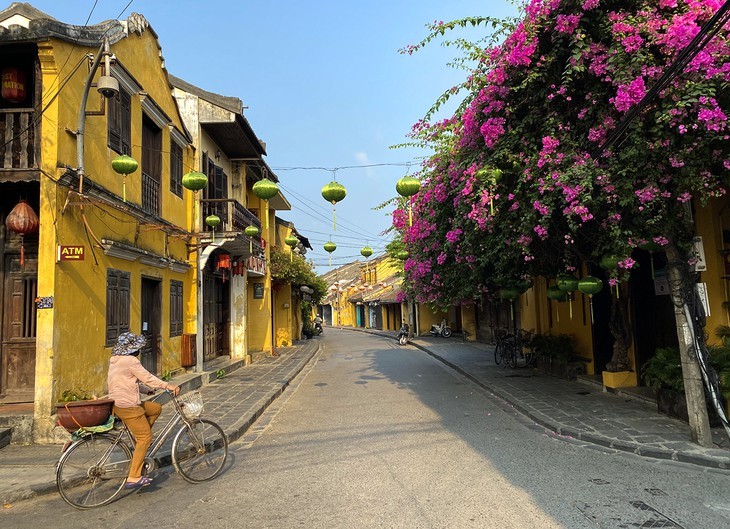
(125, 379)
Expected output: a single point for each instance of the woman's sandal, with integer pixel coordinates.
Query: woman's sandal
(143, 482)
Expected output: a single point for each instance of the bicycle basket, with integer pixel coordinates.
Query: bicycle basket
(191, 404)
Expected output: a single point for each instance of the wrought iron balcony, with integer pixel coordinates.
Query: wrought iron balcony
(19, 141)
(150, 194)
(234, 217)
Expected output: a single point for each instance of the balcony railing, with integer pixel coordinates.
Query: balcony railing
(234, 217)
(19, 142)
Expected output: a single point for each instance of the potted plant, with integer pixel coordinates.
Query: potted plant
(663, 374)
(78, 410)
(554, 353)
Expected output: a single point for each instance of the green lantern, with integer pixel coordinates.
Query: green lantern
(213, 221)
(523, 285)
(510, 294)
(330, 247)
(402, 255)
(554, 293)
(366, 252)
(251, 231)
(567, 282)
(408, 186)
(194, 181)
(590, 285)
(291, 241)
(124, 165)
(609, 262)
(333, 193)
(265, 189)
(651, 247)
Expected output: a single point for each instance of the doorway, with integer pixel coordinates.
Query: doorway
(17, 355)
(151, 323)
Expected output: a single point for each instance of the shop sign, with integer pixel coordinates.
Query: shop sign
(70, 253)
(256, 265)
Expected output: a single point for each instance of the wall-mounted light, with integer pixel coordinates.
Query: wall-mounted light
(217, 155)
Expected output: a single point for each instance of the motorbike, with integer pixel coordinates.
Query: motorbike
(440, 330)
(317, 328)
(403, 334)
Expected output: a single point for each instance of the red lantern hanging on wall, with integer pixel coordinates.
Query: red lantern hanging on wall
(223, 262)
(22, 220)
(13, 85)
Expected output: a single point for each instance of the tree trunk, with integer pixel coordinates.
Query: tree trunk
(693, 387)
(620, 329)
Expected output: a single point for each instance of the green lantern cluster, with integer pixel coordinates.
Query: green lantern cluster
(334, 192)
(291, 241)
(408, 186)
(330, 247)
(251, 231)
(124, 164)
(366, 252)
(194, 181)
(265, 189)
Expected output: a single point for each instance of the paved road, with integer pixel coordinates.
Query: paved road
(376, 435)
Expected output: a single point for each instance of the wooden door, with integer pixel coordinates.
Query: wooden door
(151, 323)
(17, 355)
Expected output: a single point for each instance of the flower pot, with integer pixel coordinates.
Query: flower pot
(83, 413)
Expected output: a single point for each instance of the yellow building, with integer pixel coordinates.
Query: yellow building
(111, 253)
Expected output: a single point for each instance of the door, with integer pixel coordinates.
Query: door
(216, 316)
(17, 355)
(151, 323)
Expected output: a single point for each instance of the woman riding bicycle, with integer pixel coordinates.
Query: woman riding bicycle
(126, 373)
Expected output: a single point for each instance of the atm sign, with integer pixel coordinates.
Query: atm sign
(70, 253)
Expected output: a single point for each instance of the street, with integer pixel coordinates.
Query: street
(372, 434)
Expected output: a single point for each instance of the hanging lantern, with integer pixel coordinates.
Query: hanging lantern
(213, 221)
(334, 192)
(330, 247)
(554, 293)
(13, 85)
(194, 181)
(609, 262)
(251, 231)
(291, 241)
(124, 165)
(510, 294)
(407, 187)
(223, 263)
(22, 220)
(366, 252)
(265, 189)
(568, 283)
(590, 285)
(402, 255)
(651, 247)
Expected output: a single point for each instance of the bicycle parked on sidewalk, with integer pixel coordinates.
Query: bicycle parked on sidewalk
(514, 349)
(93, 470)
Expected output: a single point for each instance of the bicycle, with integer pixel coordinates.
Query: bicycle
(93, 470)
(501, 338)
(520, 352)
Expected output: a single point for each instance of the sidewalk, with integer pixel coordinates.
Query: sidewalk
(576, 410)
(234, 401)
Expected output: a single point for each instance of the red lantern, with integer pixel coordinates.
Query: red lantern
(13, 85)
(22, 220)
(223, 262)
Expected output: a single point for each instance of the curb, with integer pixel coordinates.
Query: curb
(694, 458)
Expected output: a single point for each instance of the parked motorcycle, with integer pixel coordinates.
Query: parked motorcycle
(317, 328)
(403, 333)
(440, 330)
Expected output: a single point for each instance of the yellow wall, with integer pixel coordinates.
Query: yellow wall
(71, 336)
(283, 316)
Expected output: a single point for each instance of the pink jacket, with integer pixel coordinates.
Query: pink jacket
(124, 373)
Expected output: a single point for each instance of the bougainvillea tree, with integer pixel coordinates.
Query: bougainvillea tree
(518, 186)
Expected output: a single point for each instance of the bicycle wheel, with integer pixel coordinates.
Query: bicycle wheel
(93, 471)
(498, 352)
(199, 450)
(510, 354)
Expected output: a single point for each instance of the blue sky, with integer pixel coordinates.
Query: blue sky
(324, 85)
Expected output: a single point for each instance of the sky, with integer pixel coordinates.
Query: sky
(322, 83)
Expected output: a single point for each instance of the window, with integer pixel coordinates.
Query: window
(120, 123)
(151, 166)
(176, 168)
(176, 308)
(117, 304)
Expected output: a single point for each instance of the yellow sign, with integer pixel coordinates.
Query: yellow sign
(70, 253)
